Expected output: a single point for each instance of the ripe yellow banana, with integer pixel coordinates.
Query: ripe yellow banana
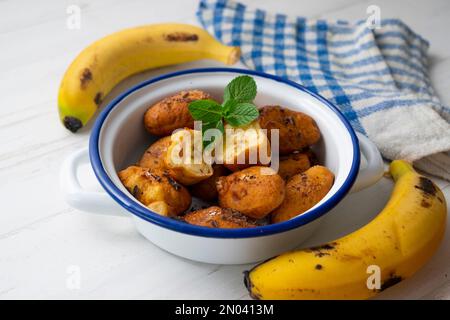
(106, 62)
(398, 241)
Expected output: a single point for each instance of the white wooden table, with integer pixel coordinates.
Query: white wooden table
(44, 243)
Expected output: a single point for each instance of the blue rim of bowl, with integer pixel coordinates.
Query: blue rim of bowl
(130, 205)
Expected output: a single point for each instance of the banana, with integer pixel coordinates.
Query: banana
(106, 62)
(399, 241)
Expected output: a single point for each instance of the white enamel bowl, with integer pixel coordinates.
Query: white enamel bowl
(118, 139)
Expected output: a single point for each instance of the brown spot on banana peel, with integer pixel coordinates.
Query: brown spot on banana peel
(180, 37)
(72, 124)
(321, 251)
(85, 78)
(427, 186)
(424, 203)
(304, 290)
(429, 191)
(327, 246)
(389, 282)
(147, 40)
(348, 257)
(321, 254)
(249, 285)
(98, 98)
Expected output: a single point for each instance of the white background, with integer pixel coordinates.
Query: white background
(42, 240)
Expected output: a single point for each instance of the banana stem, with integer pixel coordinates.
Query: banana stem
(398, 168)
(233, 56)
(226, 54)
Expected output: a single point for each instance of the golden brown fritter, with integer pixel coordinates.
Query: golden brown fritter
(156, 189)
(245, 147)
(254, 191)
(303, 191)
(180, 158)
(153, 157)
(207, 189)
(217, 217)
(293, 164)
(171, 113)
(296, 129)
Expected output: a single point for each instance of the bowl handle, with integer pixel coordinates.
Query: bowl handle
(374, 168)
(79, 198)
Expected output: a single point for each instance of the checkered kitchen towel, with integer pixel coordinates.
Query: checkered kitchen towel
(377, 77)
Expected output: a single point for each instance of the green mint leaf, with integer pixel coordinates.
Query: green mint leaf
(211, 125)
(240, 89)
(240, 114)
(237, 108)
(227, 106)
(205, 110)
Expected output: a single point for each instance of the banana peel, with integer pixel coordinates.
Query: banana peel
(398, 242)
(106, 62)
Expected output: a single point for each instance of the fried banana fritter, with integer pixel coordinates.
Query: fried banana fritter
(254, 191)
(303, 191)
(217, 217)
(296, 129)
(171, 113)
(245, 147)
(180, 158)
(293, 164)
(156, 189)
(153, 157)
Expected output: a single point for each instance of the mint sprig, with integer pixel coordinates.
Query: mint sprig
(240, 89)
(237, 108)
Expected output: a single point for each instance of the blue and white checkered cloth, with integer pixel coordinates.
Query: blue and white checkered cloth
(377, 77)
